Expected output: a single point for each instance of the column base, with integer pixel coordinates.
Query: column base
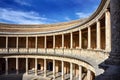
(62, 77)
(45, 75)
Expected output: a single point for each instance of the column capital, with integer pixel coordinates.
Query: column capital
(107, 10)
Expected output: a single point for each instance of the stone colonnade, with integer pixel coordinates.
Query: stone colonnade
(88, 75)
(51, 40)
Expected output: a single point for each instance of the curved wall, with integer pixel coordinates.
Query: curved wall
(85, 42)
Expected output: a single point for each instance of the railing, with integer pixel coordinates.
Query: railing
(23, 50)
(75, 53)
(93, 57)
(3, 50)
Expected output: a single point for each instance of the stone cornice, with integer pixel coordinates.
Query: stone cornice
(55, 28)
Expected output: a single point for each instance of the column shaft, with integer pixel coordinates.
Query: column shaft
(6, 67)
(62, 40)
(62, 70)
(26, 66)
(27, 42)
(98, 35)
(36, 42)
(53, 41)
(35, 66)
(89, 75)
(53, 69)
(6, 42)
(45, 72)
(80, 72)
(71, 40)
(80, 40)
(71, 71)
(89, 37)
(17, 42)
(17, 70)
(45, 44)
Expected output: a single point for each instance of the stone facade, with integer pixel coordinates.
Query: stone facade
(65, 50)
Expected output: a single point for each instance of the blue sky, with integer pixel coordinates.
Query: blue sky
(45, 11)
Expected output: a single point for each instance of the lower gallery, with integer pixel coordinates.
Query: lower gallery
(64, 51)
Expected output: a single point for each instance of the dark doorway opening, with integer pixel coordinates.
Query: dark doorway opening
(50, 66)
(39, 66)
(2, 64)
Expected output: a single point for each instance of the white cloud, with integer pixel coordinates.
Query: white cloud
(21, 17)
(67, 18)
(82, 14)
(22, 2)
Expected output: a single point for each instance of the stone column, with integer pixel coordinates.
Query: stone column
(17, 42)
(112, 64)
(62, 40)
(98, 35)
(53, 41)
(36, 42)
(26, 66)
(71, 71)
(17, 70)
(35, 66)
(80, 72)
(45, 72)
(80, 39)
(89, 75)
(62, 70)
(89, 37)
(6, 66)
(26, 42)
(6, 42)
(45, 44)
(107, 31)
(54, 70)
(71, 40)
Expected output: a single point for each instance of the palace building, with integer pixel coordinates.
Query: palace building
(62, 51)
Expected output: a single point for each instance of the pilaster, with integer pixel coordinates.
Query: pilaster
(107, 31)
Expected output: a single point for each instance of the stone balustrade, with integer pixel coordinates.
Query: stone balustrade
(13, 50)
(3, 50)
(22, 50)
(74, 53)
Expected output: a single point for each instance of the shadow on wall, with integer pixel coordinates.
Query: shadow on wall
(11, 77)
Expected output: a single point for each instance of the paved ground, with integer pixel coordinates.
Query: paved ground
(31, 76)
